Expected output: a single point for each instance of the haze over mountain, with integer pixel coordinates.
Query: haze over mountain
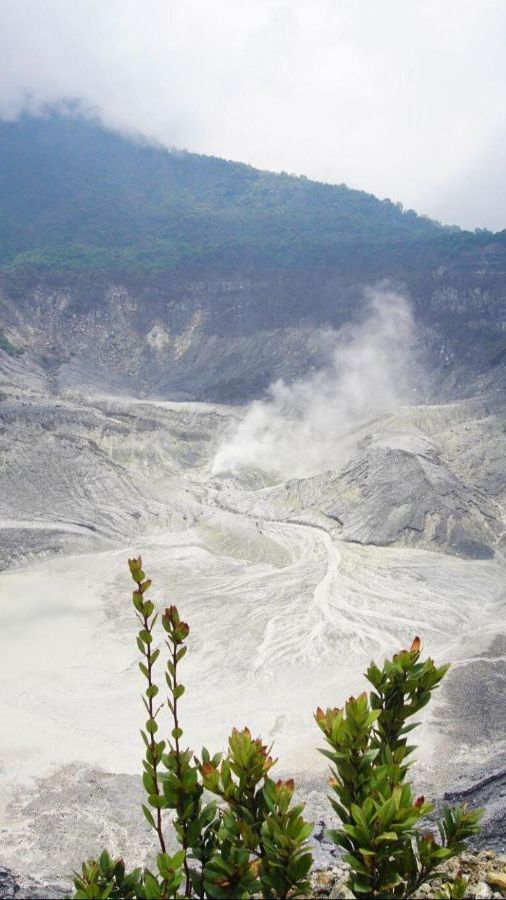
(75, 195)
(290, 397)
(404, 100)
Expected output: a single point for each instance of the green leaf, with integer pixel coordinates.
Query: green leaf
(442, 853)
(152, 888)
(104, 862)
(149, 816)
(361, 887)
(149, 783)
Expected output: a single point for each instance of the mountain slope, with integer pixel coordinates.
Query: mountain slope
(181, 274)
(76, 195)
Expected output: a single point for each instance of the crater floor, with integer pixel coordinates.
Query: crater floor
(290, 587)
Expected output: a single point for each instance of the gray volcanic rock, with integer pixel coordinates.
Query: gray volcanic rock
(398, 488)
(78, 477)
(22, 887)
(395, 495)
(205, 337)
(8, 885)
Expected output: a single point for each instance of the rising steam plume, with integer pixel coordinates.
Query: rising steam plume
(307, 427)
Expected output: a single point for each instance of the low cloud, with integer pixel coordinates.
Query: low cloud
(308, 427)
(401, 99)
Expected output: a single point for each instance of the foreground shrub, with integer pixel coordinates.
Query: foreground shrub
(251, 840)
(369, 753)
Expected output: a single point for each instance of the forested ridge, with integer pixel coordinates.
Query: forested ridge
(74, 196)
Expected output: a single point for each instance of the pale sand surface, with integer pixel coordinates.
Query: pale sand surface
(269, 642)
(285, 614)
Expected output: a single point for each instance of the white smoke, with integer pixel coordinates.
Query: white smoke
(307, 427)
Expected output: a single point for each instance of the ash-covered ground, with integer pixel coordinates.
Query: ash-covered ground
(292, 579)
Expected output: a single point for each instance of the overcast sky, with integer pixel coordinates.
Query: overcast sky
(403, 98)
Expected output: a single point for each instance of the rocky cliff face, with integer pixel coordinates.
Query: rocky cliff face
(226, 340)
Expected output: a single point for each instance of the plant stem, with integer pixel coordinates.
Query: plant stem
(184, 826)
(152, 747)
